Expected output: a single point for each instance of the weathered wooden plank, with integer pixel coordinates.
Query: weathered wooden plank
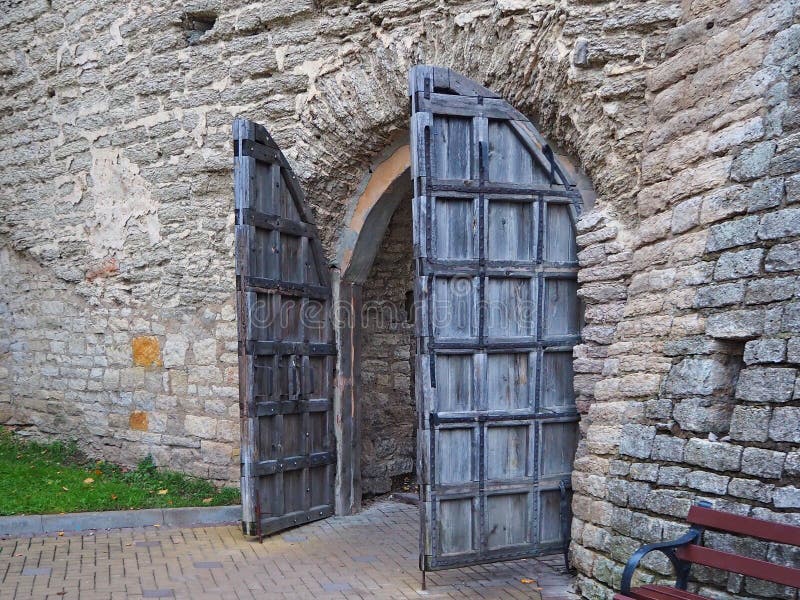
(511, 191)
(258, 151)
(560, 238)
(296, 462)
(494, 345)
(287, 288)
(262, 347)
(780, 533)
(262, 220)
(464, 106)
(499, 416)
(292, 407)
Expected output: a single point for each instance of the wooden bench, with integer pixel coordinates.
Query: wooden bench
(688, 550)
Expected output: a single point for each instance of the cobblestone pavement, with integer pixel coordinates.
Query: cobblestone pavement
(370, 555)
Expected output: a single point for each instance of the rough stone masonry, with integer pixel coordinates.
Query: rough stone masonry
(116, 269)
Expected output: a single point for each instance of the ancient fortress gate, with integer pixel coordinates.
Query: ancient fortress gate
(495, 317)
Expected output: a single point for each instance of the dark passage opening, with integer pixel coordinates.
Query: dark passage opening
(388, 413)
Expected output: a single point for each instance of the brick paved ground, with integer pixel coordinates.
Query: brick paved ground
(371, 555)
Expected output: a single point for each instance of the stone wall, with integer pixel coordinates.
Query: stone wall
(116, 288)
(689, 366)
(388, 414)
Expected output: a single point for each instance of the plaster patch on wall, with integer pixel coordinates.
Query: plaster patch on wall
(123, 203)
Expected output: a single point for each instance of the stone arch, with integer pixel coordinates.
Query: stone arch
(368, 215)
(357, 104)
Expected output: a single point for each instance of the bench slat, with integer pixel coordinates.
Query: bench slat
(662, 592)
(758, 528)
(739, 564)
(673, 592)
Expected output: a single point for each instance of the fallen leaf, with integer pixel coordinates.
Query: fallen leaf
(61, 593)
(162, 492)
(88, 480)
(526, 580)
(207, 500)
(60, 534)
(65, 488)
(113, 496)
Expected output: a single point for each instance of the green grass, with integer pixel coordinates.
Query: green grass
(57, 478)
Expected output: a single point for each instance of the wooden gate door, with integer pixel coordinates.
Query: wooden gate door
(494, 242)
(286, 345)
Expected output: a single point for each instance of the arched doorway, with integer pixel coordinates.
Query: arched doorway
(493, 230)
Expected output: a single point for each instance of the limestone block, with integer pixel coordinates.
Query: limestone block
(793, 189)
(783, 257)
(637, 440)
(205, 351)
(752, 489)
(669, 502)
(644, 472)
(718, 456)
(202, 427)
(703, 414)
(765, 193)
(735, 135)
(686, 215)
(698, 376)
(708, 482)
(762, 463)
(786, 497)
(763, 291)
(785, 424)
(673, 476)
(793, 350)
(764, 351)
(216, 453)
(174, 352)
(781, 223)
(792, 465)
(790, 321)
(719, 295)
(146, 351)
(721, 204)
(736, 324)
(732, 233)
(735, 265)
(753, 162)
(766, 384)
(750, 423)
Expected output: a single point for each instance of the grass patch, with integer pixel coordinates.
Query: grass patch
(57, 478)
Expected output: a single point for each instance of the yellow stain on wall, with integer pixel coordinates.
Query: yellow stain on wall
(138, 420)
(146, 351)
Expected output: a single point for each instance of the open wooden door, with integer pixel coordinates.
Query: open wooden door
(286, 345)
(494, 242)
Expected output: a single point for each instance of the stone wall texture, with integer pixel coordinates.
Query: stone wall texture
(116, 267)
